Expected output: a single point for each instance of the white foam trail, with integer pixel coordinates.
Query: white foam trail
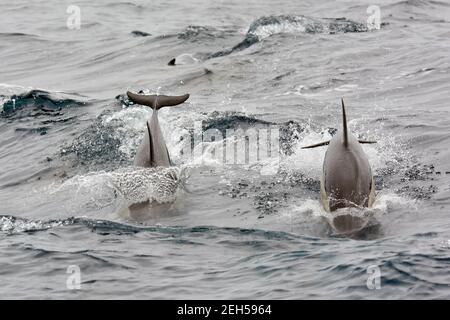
(308, 161)
(129, 125)
(153, 184)
(386, 201)
(309, 208)
(129, 185)
(265, 31)
(312, 211)
(186, 58)
(12, 225)
(14, 89)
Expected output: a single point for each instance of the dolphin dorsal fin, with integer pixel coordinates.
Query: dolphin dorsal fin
(157, 101)
(344, 125)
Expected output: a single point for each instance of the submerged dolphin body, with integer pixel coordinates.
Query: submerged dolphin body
(153, 150)
(347, 179)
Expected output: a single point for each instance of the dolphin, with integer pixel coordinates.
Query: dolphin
(152, 151)
(347, 179)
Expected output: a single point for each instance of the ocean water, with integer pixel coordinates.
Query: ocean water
(68, 137)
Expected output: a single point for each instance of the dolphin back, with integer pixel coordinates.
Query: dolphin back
(347, 179)
(156, 101)
(347, 175)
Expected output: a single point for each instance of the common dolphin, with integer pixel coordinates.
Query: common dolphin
(152, 151)
(347, 179)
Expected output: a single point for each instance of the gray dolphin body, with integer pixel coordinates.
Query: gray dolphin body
(347, 179)
(152, 151)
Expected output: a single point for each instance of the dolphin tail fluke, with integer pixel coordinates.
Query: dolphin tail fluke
(344, 125)
(157, 101)
(320, 144)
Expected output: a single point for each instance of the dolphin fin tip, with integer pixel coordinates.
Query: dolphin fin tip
(367, 141)
(320, 144)
(344, 124)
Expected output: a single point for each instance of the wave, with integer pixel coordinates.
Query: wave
(267, 26)
(13, 224)
(199, 33)
(35, 102)
(419, 3)
(110, 141)
(101, 146)
(232, 120)
(126, 4)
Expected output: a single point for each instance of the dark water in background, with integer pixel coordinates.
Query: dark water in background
(232, 233)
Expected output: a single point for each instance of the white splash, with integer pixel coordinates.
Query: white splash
(265, 31)
(307, 161)
(186, 58)
(13, 225)
(129, 126)
(129, 185)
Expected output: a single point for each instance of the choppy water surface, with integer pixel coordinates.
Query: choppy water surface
(68, 137)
